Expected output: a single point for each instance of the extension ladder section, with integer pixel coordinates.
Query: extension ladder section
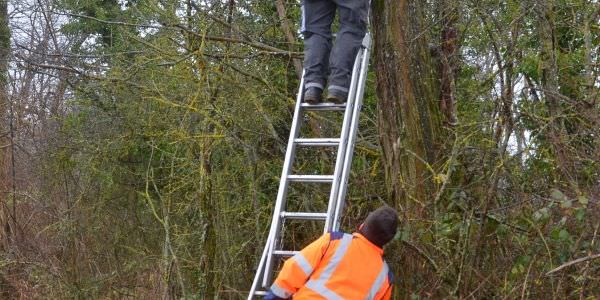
(338, 180)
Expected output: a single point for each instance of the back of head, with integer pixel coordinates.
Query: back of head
(380, 226)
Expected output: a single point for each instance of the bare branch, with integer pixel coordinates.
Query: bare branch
(253, 44)
(573, 262)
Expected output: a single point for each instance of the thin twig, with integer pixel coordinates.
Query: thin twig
(573, 262)
(251, 43)
(422, 254)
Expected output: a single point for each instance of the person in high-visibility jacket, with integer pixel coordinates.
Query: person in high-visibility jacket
(340, 265)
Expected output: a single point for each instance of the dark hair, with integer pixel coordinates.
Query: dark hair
(380, 226)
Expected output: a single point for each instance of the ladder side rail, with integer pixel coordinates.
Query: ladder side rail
(283, 186)
(339, 163)
(259, 272)
(366, 49)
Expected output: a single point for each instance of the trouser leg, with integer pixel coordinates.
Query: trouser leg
(353, 27)
(317, 16)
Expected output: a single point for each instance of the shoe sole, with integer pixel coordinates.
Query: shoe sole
(336, 100)
(312, 101)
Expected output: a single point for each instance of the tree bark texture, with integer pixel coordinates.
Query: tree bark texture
(208, 208)
(410, 119)
(289, 35)
(409, 112)
(448, 59)
(5, 134)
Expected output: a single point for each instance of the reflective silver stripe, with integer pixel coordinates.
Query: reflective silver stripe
(379, 281)
(337, 257)
(303, 26)
(339, 88)
(313, 84)
(280, 292)
(318, 285)
(303, 264)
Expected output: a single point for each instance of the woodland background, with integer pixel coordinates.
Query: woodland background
(142, 143)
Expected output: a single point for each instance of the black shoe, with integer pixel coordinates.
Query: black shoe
(336, 96)
(312, 95)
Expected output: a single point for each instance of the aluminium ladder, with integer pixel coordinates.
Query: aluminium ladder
(345, 146)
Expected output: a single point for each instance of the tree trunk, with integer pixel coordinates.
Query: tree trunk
(208, 208)
(410, 119)
(5, 134)
(448, 59)
(591, 93)
(286, 27)
(556, 132)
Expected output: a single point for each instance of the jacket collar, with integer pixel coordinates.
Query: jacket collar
(363, 238)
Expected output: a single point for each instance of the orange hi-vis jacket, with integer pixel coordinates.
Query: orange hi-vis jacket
(336, 266)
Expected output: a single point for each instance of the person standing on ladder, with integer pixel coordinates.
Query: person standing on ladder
(340, 265)
(320, 61)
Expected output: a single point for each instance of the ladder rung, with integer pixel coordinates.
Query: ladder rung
(260, 293)
(318, 142)
(303, 215)
(324, 106)
(311, 178)
(285, 253)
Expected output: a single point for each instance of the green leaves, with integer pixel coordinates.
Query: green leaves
(566, 203)
(559, 234)
(520, 265)
(542, 215)
(530, 66)
(557, 195)
(583, 200)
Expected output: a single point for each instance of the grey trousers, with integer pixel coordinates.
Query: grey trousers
(320, 60)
